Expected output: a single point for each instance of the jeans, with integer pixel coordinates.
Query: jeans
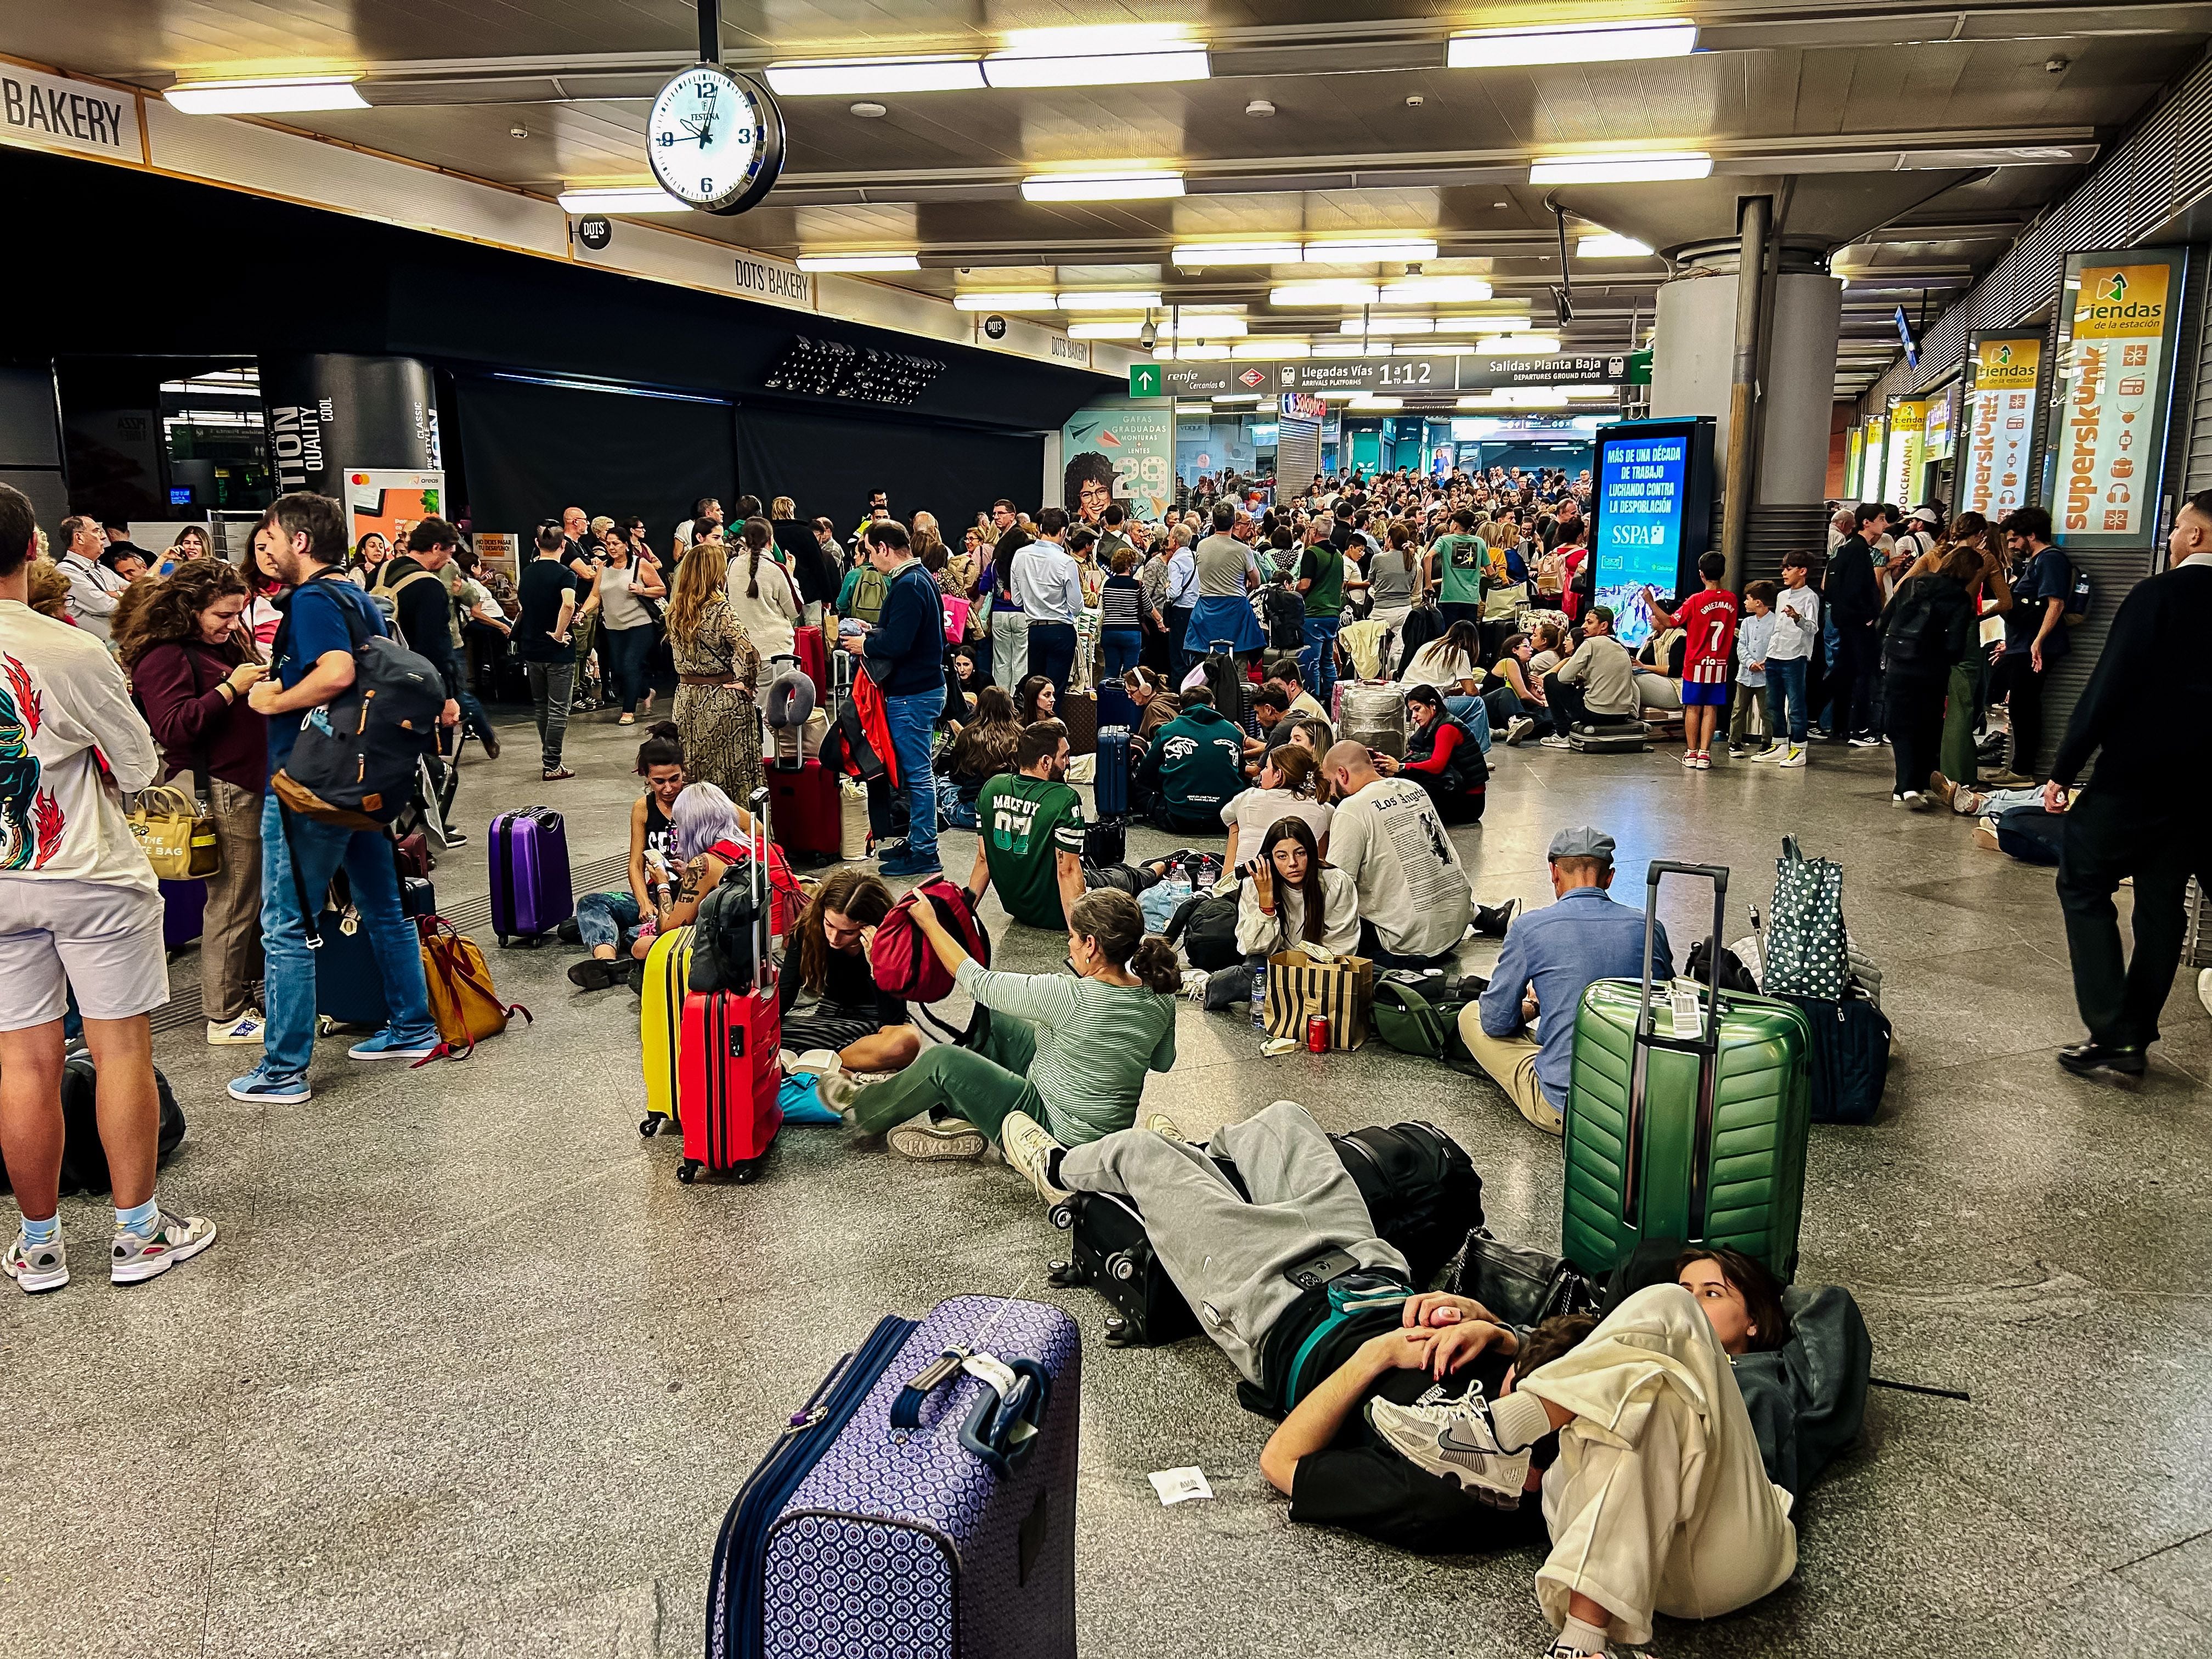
(1010, 647)
(1052, 653)
(552, 686)
(289, 1041)
(1785, 683)
(911, 719)
(474, 720)
(607, 919)
(1318, 659)
(1473, 712)
(628, 651)
(980, 1085)
(1119, 647)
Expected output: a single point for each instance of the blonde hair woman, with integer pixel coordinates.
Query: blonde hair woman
(718, 671)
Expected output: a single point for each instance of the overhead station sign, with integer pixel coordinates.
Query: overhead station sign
(2003, 375)
(2111, 396)
(1392, 376)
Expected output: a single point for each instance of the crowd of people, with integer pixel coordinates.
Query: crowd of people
(1251, 647)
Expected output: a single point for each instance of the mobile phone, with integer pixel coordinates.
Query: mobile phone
(1319, 1269)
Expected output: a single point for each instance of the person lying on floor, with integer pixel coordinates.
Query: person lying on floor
(827, 957)
(1029, 838)
(617, 928)
(1068, 1054)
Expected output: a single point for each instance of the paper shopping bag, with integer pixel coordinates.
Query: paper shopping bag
(1341, 988)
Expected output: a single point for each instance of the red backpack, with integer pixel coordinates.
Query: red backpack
(900, 959)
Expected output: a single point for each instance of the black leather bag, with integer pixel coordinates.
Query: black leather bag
(1523, 1287)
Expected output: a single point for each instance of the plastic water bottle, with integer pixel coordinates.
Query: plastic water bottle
(1260, 995)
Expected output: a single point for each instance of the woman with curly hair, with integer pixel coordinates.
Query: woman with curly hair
(191, 660)
(718, 671)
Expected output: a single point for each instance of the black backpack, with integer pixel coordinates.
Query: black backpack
(1204, 927)
(1286, 618)
(84, 1160)
(725, 955)
(1919, 634)
(357, 758)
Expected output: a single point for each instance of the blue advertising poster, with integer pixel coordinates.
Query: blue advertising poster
(1641, 485)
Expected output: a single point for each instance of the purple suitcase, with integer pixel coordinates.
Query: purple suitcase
(909, 1510)
(530, 890)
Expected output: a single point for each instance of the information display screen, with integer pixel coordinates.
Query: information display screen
(1642, 491)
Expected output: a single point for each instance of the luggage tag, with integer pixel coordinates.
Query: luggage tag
(1689, 1016)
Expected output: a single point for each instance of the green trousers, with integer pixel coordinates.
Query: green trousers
(980, 1085)
(1961, 709)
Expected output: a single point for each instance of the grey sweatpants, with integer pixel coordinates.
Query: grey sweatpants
(1227, 1256)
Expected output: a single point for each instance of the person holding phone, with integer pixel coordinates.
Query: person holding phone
(191, 661)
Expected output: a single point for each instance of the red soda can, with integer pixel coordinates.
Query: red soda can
(1317, 1034)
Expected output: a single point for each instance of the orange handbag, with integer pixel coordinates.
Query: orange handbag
(462, 1000)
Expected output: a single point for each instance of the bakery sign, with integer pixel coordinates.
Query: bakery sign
(2111, 396)
(2003, 372)
(55, 111)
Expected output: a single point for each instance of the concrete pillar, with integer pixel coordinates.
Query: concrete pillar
(328, 413)
(31, 439)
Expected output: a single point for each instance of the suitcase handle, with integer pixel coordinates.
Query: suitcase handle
(1706, 1046)
(1003, 1432)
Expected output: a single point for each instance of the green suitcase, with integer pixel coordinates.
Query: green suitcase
(1700, 1136)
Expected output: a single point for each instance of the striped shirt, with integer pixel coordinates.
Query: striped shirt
(1095, 1042)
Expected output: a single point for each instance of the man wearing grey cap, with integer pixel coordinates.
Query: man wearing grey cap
(1522, 1030)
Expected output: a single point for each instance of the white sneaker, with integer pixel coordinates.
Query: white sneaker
(1028, 1145)
(1553, 742)
(1774, 752)
(1517, 731)
(2204, 989)
(1194, 983)
(1168, 1130)
(244, 1030)
(927, 1139)
(36, 1267)
(1795, 757)
(173, 1239)
(1690, 759)
(1452, 1439)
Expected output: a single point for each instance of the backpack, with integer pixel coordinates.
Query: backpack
(2077, 601)
(1423, 623)
(2030, 834)
(84, 1160)
(868, 593)
(901, 959)
(356, 759)
(1206, 928)
(1418, 1014)
(1286, 616)
(1917, 634)
(723, 936)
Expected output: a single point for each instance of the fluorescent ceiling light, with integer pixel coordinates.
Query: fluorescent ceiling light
(1193, 328)
(266, 97)
(860, 262)
(1237, 398)
(1044, 66)
(622, 199)
(1591, 391)
(1480, 400)
(1032, 299)
(1434, 290)
(1482, 324)
(1323, 293)
(1272, 347)
(1100, 186)
(1432, 348)
(1340, 396)
(1373, 326)
(1191, 351)
(1368, 400)
(1572, 43)
(1194, 256)
(1537, 397)
(1636, 168)
(1110, 299)
(1337, 349)
(832, 77)
(1521, 345)
(1610, 247)
(1369, 249)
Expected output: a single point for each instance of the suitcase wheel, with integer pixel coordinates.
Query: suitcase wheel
(325, 1025)
(1121, 1266)
(649, 1127)
(1063, 1217)
(1117, 1331)
(687, 1170)
(745, 1174)
(1067, 1275)
(502, 939)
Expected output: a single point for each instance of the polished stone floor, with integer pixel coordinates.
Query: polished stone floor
(471, 1373)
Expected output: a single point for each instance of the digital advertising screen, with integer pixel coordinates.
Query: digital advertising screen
(1643, 490)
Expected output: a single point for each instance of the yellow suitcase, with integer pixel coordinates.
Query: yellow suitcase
(660, 1025)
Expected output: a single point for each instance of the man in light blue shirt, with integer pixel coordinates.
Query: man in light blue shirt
(1550, 956)
(1050, 590)
(1183, 599)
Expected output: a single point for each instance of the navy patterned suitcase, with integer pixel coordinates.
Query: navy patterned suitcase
(914, 1509)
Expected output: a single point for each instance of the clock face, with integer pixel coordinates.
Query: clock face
(716, 139)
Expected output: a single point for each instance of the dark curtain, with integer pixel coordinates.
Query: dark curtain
(531, 450)
(829, 463)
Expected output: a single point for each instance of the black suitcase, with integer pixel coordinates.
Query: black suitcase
(1421, 1190)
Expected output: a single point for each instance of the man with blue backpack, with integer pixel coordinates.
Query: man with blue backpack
(329, 624)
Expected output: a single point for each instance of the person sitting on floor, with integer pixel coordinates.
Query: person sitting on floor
(1288, 784)
(1287, 675)
(1271, 713)
(1453, 663)
(1029, 833)
(1292, 897)
(709, 834)
(1156, 704)
(984, 748)
(1194, 769)
(1442, 757)
(1414, 897)
(1514, 696)
(1061, 1056)
(1034, 699)
(617, 928)
(1551, 955)
(1596, 684)
(827, 958)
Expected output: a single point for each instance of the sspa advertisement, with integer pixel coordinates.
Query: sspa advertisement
(1641, 486)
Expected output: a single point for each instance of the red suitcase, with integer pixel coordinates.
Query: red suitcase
(806, 813)
(813, 661)
(728, 1073)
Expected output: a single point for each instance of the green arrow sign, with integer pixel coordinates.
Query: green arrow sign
(1144, 380)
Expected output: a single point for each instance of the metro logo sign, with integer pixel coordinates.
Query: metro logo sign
(1254, 378)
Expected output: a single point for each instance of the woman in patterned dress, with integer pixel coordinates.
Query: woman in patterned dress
(718, 670)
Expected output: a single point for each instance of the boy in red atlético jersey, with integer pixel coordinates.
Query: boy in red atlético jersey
(1707, 620)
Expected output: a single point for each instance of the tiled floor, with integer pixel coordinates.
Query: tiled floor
(470, 1373)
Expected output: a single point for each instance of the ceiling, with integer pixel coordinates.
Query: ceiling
(1931, 137)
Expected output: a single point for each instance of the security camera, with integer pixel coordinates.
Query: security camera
(518, 132)
(1414, 100)
(2056, 65)
(1259, 106)
(1148, 336)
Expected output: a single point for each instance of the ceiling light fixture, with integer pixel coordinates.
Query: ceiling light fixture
(1369, 249)
(1610, 247)
(1382, 325)
(266, 97)
(1368, 400)
(1323, 293)
(1191, 328)
(1191, 351)
(1433, 348)
(1434, 290)
(1034, 299)
(860, 262)
(1110, 57)
(1108, 299)
(1235, 398)
(1572, 43)
(1134, 186)
(621, 198)
(846, 77)
(1521, 345)
(1629, 168)
(1338, 348)
(1196, 255)
(1272, 347)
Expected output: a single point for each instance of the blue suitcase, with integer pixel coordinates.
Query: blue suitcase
(1109, 780)
(531, 894)
(910, 1508)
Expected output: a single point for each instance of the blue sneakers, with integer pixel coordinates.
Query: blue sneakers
(260, 1083)
(910, 867)
(387, 1044)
